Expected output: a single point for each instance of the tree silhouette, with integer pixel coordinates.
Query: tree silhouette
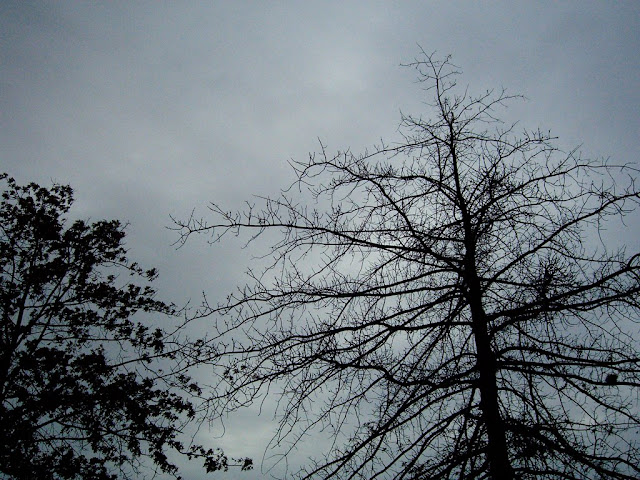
(446, 305)
(87, 390)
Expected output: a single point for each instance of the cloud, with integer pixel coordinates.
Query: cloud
(151, 109)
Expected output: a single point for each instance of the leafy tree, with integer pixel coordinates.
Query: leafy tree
(86, 391)
(446, 305)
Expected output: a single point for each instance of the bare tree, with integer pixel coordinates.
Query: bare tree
(447, 304)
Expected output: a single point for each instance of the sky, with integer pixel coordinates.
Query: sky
(153, 109)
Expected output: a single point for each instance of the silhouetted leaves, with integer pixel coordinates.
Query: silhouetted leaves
(82, 394)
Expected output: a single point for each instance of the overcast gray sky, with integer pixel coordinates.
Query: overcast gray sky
(150, 109)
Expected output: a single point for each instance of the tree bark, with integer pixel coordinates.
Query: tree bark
(497, 450)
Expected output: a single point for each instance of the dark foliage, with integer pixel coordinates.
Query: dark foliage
(447, 306)
(86, 391)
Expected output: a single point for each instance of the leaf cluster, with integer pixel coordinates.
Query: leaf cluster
(93, 378)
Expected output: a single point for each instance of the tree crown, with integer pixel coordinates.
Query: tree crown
(446, 306)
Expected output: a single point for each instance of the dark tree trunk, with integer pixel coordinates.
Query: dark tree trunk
(497, 451)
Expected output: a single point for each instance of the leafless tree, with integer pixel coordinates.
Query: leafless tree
(448, 304)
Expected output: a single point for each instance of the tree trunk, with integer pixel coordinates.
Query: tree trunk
(497, 451)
